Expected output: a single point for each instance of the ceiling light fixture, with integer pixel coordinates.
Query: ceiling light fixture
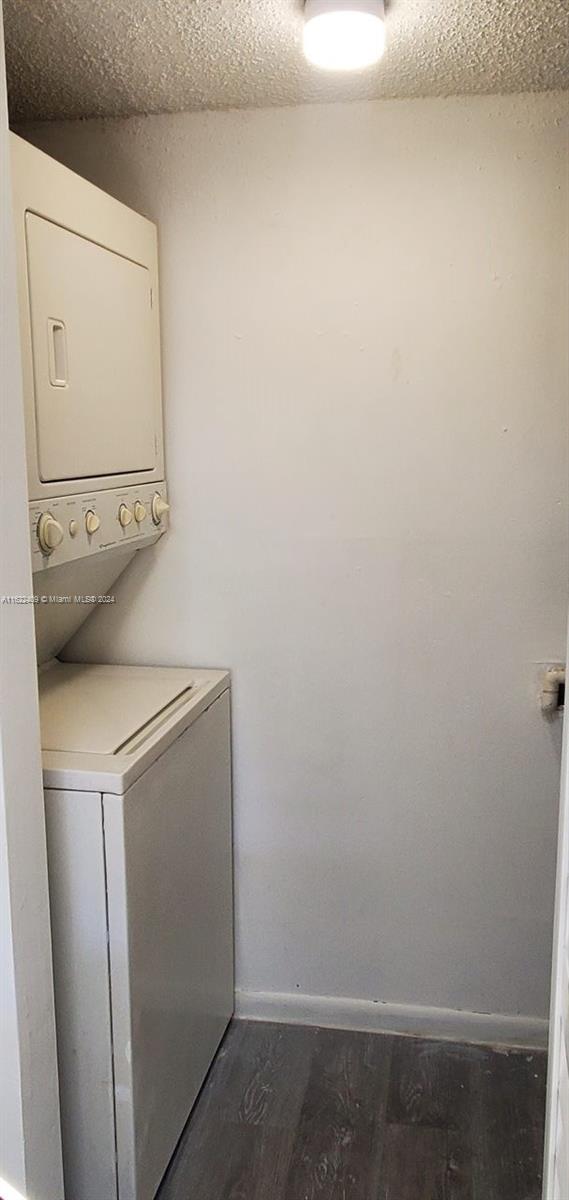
(344, 35)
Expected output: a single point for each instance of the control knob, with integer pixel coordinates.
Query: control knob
(139, 512)
(159, 508)
(125, 516)
(92, 522)
(50, 533)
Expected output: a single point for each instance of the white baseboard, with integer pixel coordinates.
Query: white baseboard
(339, 1012)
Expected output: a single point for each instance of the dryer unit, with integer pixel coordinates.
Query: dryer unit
(90, 341)
(137, 782)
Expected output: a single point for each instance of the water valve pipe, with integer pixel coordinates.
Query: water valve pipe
(553, 681)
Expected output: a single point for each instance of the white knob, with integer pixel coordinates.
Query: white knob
(125, 516)
(50, 533)
(139, 512)
(92, 522)
(159, 508)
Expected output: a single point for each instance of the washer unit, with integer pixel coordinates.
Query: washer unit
(137, 783)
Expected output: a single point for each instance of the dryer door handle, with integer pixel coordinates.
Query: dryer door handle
(57, 352)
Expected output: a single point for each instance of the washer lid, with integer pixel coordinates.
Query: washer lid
(92, 709)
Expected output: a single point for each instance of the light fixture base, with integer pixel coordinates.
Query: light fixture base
(319, 8)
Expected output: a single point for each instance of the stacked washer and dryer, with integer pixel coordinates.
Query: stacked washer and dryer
(136, 760)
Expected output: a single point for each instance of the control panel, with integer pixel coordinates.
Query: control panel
(66, 528)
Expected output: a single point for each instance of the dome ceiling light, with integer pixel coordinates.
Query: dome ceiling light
(344, 35)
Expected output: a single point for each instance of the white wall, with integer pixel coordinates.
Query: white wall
(30, 1145)
(365, 315)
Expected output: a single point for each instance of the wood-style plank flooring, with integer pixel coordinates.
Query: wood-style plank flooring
(294, 1113)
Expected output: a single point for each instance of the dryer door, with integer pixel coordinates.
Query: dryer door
(94, 356)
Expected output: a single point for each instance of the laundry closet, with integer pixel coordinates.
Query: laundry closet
(284, 457)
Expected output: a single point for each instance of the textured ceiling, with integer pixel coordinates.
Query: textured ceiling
(78, 58)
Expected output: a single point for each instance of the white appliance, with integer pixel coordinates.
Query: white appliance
(136, 760)
(90, 340)
(137, 783)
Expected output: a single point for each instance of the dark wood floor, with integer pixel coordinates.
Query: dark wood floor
(291, 1113)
